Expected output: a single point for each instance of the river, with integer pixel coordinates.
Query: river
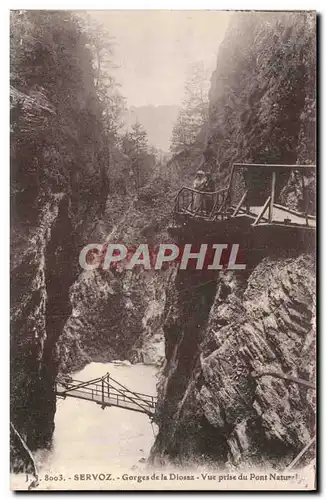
(90, 440)
(89, 444)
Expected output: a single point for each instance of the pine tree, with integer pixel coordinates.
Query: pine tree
(102, 46)
(194, 111)
(134, 145)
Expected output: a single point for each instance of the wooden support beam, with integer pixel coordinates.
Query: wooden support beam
(227, 195)
(213, 208)
(240, 203)
(29, 453)
(304, 199)
(224, 200)
(128, 395)
(280, 167)
(271, 205)
(263, 210)
(80, 385)
(294, 212)
(215, 205)
(302, 452)
(103, 388)
(284, 376)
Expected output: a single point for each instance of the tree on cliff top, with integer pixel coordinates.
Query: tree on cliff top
(58, 150)
(102, 46)
(194, 111)
(134, 145)
(66, 108)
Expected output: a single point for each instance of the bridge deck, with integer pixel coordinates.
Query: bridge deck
(280, 215)
(107, 401)
(231, 203)
(106, 392)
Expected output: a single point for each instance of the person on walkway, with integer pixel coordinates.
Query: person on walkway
(210, 188)
(199, 183)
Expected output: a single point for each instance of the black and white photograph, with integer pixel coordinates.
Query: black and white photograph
(163, 187)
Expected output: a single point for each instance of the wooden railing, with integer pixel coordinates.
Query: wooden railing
(223, 204)
(108, 392)
(270, 203)
(205, 204)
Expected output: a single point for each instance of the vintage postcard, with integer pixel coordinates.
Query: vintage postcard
(163, 228)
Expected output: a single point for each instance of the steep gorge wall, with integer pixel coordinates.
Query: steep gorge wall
(113, 317)
(262, 95)
(40, 279)
(57, 190)
(118, 314)
(211, 406)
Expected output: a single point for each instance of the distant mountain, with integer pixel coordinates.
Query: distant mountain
(158, 122)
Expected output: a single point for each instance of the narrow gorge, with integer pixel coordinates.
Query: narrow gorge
(214, 336)
(223, 332)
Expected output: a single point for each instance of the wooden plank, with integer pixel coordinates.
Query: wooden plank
(103, 391)
(111, 402)
(108, 383)
(304, 198)
(184, 188)
(128, 390)
(227, 196)
(99, 390)
(240, 204)
(271, 205)
(266, 165)
(80, 384)
(302, 452)
(267, 202)
(294, 212)
(289, 225)
(284, 376)
(217, 194)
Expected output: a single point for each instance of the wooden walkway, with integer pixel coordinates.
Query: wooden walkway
(219, 206)
(281, 215)
(106, 391)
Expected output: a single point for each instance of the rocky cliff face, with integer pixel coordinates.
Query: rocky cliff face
(42, 271)
(262, 96)
(118, 315)
(224, 331)
(218, 328)
(57, 188)
(212, 406)
(113, 317)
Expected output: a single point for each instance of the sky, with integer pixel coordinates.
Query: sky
(154, 48)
